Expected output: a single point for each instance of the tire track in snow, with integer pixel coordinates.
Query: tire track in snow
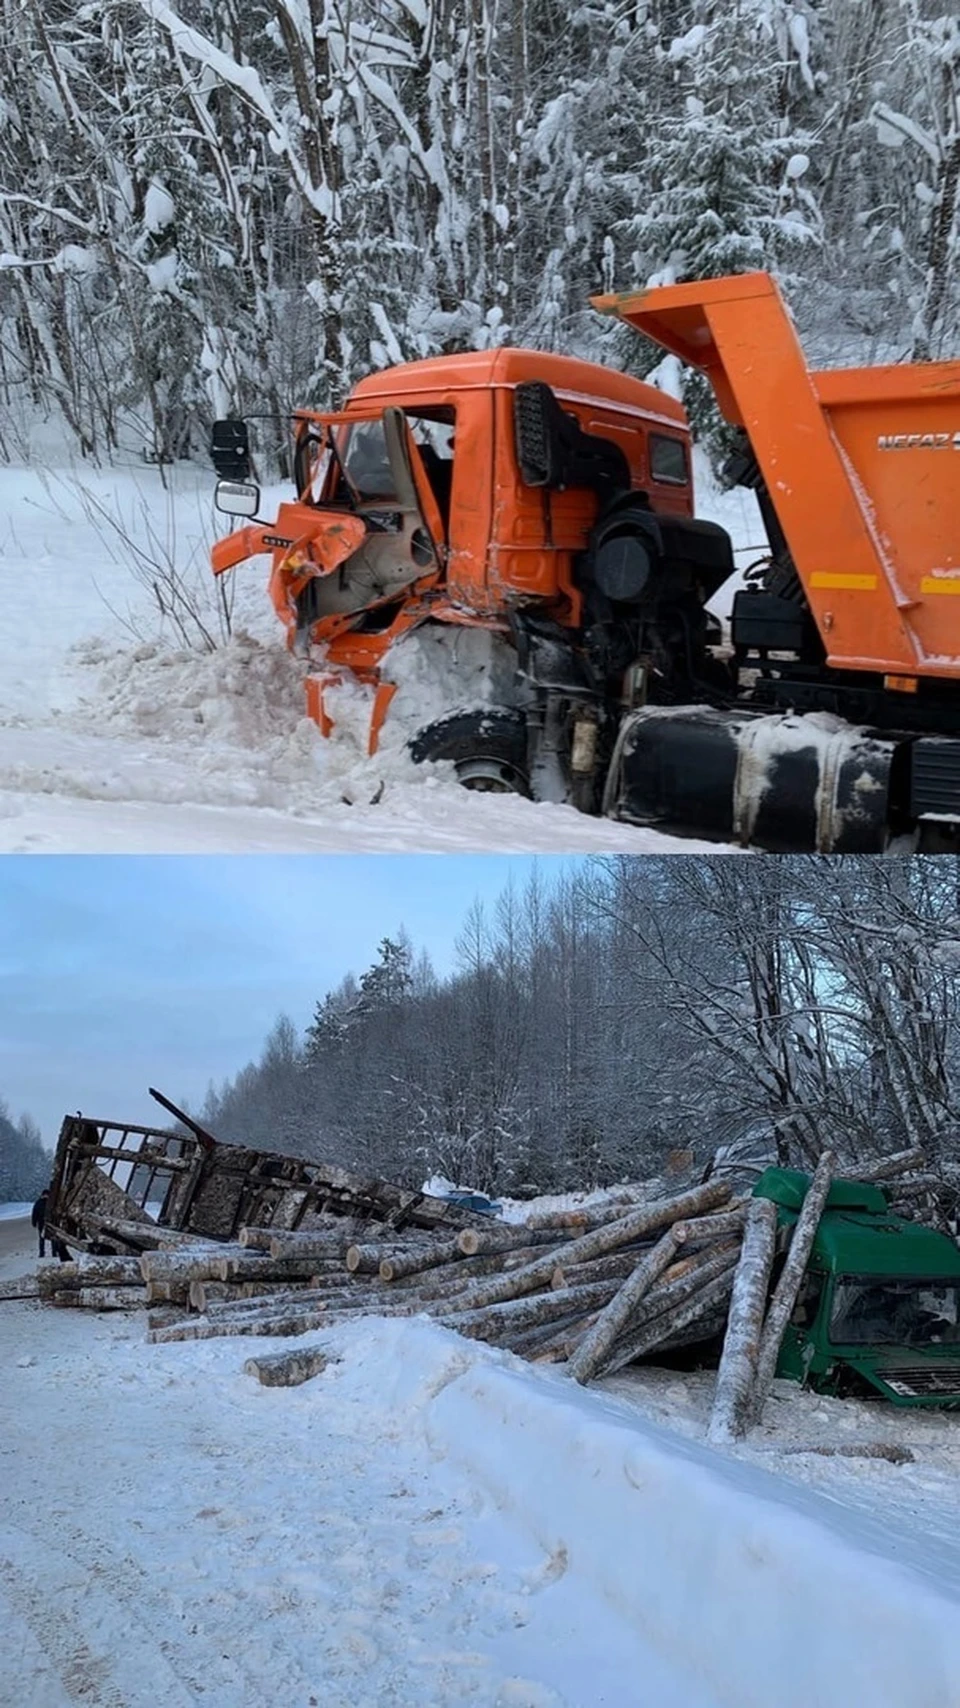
(51, 1592)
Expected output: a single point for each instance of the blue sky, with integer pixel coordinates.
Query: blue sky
(117, 973)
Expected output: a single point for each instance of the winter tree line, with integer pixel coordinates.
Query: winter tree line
(635, 1007)
(219, 205)
(24, 1163)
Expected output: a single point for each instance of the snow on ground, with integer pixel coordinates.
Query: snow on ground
(432, 1522)
(911, 1507)
(116, 736)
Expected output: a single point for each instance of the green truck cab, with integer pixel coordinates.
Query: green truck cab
(878, 1314)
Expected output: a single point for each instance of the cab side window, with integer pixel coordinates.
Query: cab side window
(434, 435)
(668, 460)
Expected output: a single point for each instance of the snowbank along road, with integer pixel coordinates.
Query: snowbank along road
(120, 734)
(428, 1521)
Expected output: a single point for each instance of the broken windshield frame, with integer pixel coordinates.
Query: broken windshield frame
(867, 1311)
(343, 459)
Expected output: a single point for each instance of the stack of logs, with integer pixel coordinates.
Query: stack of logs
(596, 1288)
(535, 1288)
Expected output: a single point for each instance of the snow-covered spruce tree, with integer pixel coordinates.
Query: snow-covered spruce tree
(333, 1016)
(586, 165)
(727, 169)
(918, 119)
(726, 188)
(448, 97)
(388, 982)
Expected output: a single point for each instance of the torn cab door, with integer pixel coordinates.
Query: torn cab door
(414, 491)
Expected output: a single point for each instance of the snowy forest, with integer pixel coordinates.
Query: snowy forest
(631, 1009)
(241, 205)
(24, 1164)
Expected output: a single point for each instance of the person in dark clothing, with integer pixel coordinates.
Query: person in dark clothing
(38, 1217)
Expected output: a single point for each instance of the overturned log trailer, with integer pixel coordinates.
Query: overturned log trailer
(250, 1243)
(118, 1189)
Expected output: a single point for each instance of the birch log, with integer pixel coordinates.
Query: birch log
(614, 1317)
(204, 1293)
(397, 1265)
(494, 1321)
(254, 1266)
(579, 1221)
(888, 1167)
(316, 1246)
(165, 1317)
(454, 1278)
(561, 1341)
(614, 1267)
(787, 1288)
(256, 1239)
(203, 1328)
(287, 1369)
(700, 1230)
(272, 1303)
(650, 1219)
(663, 1330)
(187, 1265)
(150, 1235)
(588, 1216)
(656, 1314)
(480, 1242)
(438, 1284)
(365, 1259)
(103, 1297)
(737, 1374)
(327, 1241)
(107, 1298)
(94, 1272)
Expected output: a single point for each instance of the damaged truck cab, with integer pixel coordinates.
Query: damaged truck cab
(535, 513)
(878, 1313)
(539, 499)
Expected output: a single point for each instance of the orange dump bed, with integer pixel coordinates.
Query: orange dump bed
(862, 466)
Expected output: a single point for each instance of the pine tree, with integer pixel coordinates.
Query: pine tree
(388, 981)
(727, 195)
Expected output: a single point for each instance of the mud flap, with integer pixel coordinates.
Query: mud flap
(789, 784)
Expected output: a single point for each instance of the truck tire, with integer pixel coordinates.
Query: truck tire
(487, 748)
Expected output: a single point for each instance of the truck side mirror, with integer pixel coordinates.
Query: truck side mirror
(535, 427)
(230, 449)
(237, 497)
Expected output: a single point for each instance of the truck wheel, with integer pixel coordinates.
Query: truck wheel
(488, 749)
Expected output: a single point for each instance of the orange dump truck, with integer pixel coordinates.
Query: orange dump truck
(547, 506)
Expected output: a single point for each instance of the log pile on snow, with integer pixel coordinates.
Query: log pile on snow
(539, 1290)
(595, 1288)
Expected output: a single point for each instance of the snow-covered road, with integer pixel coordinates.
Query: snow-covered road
(428, 1522)
(172, 1533)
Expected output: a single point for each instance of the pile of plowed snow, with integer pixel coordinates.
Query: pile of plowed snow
(114, 736)
(433, 1521)
(246, 692)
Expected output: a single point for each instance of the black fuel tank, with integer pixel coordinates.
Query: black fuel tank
(784, 782)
